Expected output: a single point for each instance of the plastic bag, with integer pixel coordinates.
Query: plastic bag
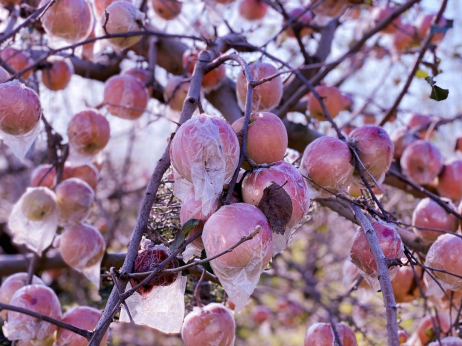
(34, 219)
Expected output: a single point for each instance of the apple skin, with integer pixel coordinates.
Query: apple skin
(212, 79)
(74, 198)
(71, 20)
(88, 132)
(426, 326)
(416, 121)
(266, 137)
(421, 162)
(38, 203)
(286, 175)
(321, 334)
(211, 325)
(126, 96)
(43, 175)
(4, 75)
(20, 108)
(226, 227)
(447, 341)
(444, 254)
(328, 162)
(405, 288)
(265, 96)
(401, 139)
(167, 9)
(17, 59)
(450, 181)
(58, 74)
(332, 98)
(252, 9)
(380, 14)
(175, 92)
(306, 17)
(375, 150)
(101, 5)
(83, 317)
(88, 173)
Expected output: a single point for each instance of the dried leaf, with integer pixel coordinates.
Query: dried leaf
(276, 204)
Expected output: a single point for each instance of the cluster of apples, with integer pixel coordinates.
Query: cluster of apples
(39, 298)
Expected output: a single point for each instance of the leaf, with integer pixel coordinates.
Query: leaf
(276, 204)
(181, 236)
(438, 94)
(206, 265)
(421, 74)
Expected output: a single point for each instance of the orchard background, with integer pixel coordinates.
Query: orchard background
(383, 67)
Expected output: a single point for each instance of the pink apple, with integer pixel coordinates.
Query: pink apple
(321, 334)
(421, 162)
(450, 181)
(401, 139)
(332, 99)
(43, 175)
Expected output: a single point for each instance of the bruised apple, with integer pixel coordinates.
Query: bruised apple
(38, 203)
(328, 162)
(303, 17)
(226, 227)
(146, 261)
(375, 150)
(12, 284)
(175, 92)
(252, 9)
(450, 181)
(212, 79)
(167, 9)
(421, 162)
(82, 246)
(20, 108)
(37, 298)
(43, 175)
(71, 20)
(17, 59)
(83, 317)
(401, 139)
(88, 132)
(445, 254)
(265, 96)
(332, 99)
(266, 137)
(57, 73)
(125, 96)
(87, 172)
(361, 255)
(74, 198)
(427, 215)
(432, 326)
(211, 325)
(321, 334)
(380, 14)
(283, 174)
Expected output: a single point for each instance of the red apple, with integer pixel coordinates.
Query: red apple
(252, 9)
(17, 59)
(405, 37)
(20, 109)
(380, 14)
(175, 92)
(266, 96)
(332, 99)
(417, 121)
(401, 139)
(450, 181)
(167, 9)
(71, 20)
(403, 336)
(261, 314)
(405, 287)
(126, 96)
(306, 17)
(226, 227)
(266, 137)
(328, 162)
(321, 334)
(43, 175)
(57, 73)
(283, 174)
(142, 75)
(212, 79)
(88, 132)
(211, 325)
(421, 162)
(74, 198)
(431, 326)
(87, 172)
(331, 8)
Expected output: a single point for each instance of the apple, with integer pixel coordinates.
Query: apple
(347, 102)
(212, 79)
(424, 24)
(405, 287)
(4, 75)
(175, 92)
(421, 162)
(43, 175)
(306, 17)
(283, 174)
(266, 96)
(88, 132)
(431, 326)
(83, 317)
(37, 298)
(261, 313)
(252, 9)
(266, 137)
(226, 227)
(57, 73)
(87, 172)
(403, 336)
(444, 254)
(416, 121)
(405, 37)
(205, 144)
(380, 13)
(71, 20)
(38, 203)
(167, 9)
(88, 49)
(450, 181)
(142, 75)
(375, 150)
(74, 198)
(20, 108)
(121, 17)
(211, 325)
(101, 5)
(328, 162)
(17, 59)
(321, 334)
(332, 8)
(401, 139)
(125, 96)
(332, 99)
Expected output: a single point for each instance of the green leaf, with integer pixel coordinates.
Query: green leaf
(438, 94)
(177, 242)
(189, 225)
(421, 74)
